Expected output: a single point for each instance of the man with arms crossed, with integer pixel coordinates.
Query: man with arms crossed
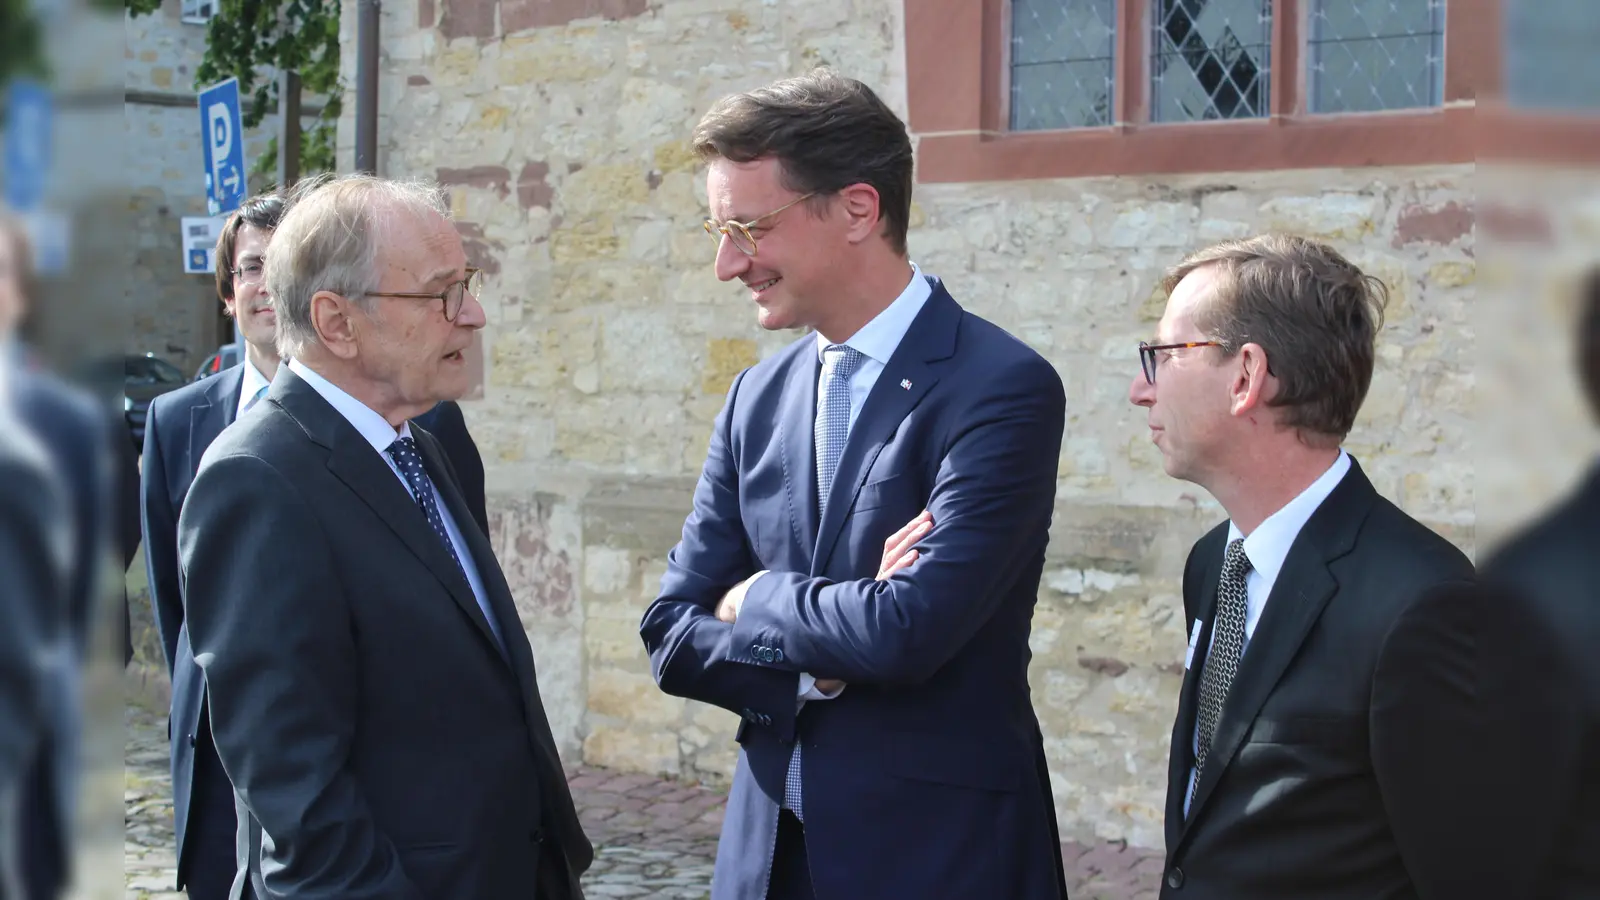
(1330, 680)
(889, 747)
(371, 689)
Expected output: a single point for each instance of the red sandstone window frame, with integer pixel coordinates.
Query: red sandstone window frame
(957, 71)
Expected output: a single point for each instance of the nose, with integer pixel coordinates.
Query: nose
(1141, 392)
(471, 314)
(731, 262)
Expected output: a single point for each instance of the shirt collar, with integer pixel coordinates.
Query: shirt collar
(378, 432)
(878, 339)
(1268, 546)
(253, 382)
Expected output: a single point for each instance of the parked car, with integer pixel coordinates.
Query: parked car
(226, 357)
(144, 379)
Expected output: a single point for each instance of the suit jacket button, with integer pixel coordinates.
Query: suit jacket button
(191, 740)
(766, 719)
(1175, 878)
(536, 836)
(778, 655)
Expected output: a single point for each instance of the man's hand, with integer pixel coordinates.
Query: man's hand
(728, 606)
(897, 552)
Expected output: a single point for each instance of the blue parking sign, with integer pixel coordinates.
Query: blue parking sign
(28, 124)
(223, 142)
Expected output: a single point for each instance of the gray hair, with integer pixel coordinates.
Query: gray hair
(328, 240)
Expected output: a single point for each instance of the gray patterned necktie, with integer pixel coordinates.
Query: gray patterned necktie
(1227, 647)
(839, 362)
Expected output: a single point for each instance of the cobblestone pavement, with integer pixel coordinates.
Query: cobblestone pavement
(654, 839)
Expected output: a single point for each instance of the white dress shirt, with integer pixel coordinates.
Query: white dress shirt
(253, 382)
(380, 434)
(877, 340)
(1266, 548)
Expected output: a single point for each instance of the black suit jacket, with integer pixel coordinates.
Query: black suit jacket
(1330, 775)
(379, 742)
(180, 426)
(1540, 773)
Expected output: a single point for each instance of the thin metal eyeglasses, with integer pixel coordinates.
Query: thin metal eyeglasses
(739, 232)
(452, 296)
(1147, 354)
(249, 273)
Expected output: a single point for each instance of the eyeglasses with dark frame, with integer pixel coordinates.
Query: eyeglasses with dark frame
(452, 296)
(739, 232)
(1147, 354)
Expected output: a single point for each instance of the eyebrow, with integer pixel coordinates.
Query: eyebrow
(449, 272)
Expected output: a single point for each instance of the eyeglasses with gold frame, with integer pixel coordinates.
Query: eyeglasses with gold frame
(739, 232)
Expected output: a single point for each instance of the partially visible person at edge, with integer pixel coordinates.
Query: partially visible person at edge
(76, 434)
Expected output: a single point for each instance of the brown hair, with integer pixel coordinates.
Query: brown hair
(827, 133)
(1589, 338)
(1315, 314)
(262, 211)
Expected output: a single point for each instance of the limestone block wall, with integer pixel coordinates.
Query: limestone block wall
(561, 128)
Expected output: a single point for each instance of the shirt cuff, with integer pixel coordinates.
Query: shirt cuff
(738, 605)
(810, 691)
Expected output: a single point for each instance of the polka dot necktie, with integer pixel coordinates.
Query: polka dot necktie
(409, 462)
(1227, 647)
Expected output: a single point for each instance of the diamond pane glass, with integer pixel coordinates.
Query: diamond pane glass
(1373, 55)
(1550, 58)
(1210, 59)
(1062, 57)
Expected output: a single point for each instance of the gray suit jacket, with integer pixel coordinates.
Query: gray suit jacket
(379, 743)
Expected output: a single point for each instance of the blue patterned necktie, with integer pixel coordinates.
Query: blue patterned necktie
(839, 362)
(406, 458)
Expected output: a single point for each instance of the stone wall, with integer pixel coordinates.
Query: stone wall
(561, 129)
(174, 315)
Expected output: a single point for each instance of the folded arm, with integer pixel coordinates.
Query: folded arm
(269, 627)
(991, 506)
(691, 651)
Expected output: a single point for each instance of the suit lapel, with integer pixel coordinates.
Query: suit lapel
(497, 592)
(1201, 598)
(354, 461)
(206, 420)
(1298, 597)
(910, 373)
(796, 417)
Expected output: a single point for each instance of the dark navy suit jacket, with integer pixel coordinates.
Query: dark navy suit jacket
(180, 426)
(925, 778)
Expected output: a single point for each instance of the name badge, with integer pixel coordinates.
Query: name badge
(1194, 638)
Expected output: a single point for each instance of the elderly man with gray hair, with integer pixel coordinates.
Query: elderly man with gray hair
(373, 697)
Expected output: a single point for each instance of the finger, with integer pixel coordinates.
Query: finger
(894, 540)
(902, 562)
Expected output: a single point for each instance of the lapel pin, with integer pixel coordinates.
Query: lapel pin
(905, 384)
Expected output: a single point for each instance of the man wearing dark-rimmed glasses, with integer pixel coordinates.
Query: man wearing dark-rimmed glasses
(1327, 690)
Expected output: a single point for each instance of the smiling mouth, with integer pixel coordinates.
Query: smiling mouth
(760, 287)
